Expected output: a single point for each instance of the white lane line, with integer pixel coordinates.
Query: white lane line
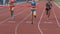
(56, 18)
(9, 18)
(56, 4)
(16, 29)
(40, 22)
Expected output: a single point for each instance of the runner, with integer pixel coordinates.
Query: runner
(48, 8)
(12, 8)
(33, 4)
(33, 9)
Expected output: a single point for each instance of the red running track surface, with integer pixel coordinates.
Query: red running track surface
(23, 18)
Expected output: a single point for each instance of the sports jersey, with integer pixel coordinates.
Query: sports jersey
(12, 1)
(48, 5)
(33, 3)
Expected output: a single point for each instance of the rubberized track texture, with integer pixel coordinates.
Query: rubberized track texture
(23, 18)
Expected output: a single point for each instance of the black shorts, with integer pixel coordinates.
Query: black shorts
(33, 9)
(47, 9)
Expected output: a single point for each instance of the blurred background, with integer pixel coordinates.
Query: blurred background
(6, 2)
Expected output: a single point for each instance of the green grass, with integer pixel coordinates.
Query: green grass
(58, 3)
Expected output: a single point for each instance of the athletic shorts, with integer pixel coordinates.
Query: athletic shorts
(33, 9)
(47, 9)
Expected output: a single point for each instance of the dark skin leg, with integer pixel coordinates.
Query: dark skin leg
(48, 13)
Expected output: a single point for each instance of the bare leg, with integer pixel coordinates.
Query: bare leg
(34, 14)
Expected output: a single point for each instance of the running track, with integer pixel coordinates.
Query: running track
(22, 22)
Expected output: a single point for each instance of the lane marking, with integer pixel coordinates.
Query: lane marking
(48, 22)
(9, 18)
(28, 22)
(11, 21)
(16, 29)
(40, 21)
(56, 18)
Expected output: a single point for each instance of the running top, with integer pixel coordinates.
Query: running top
(33, 3)
(12, 3)
(48, 5)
